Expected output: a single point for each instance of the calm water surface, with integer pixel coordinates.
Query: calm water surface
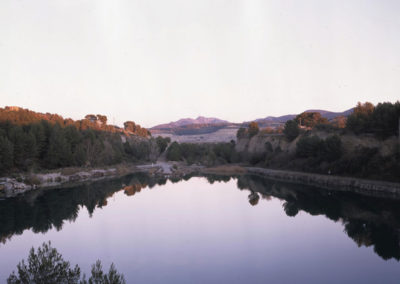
(234, 230)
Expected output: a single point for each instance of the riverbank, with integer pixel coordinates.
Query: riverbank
(66, 177)
(331, 182)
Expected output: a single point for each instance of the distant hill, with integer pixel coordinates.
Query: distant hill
(203, 125)
(282, 119)
(201, 120)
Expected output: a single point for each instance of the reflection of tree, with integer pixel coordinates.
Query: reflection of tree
(290, 208)
(368, 221)
(253, 198)
(53, 207)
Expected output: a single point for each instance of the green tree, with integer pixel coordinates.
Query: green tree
(130, 126)
(253, 128)
(241, 133)
(310, 119)
(99, 277)
(309, 147)
(6, 154)
(360, 120)
(102, 119)
(332, 148)
(385, 119)
(162, 143)
(47, 266)
(59, 153)
(174, 152)
(291, 130)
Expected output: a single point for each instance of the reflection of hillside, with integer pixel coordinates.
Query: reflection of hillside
(53, 207)
(368, 221)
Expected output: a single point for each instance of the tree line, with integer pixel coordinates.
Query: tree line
(32, 141)
(21, 116)
(381, 120)
(206, 153)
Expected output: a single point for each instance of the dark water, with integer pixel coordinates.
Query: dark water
(209, 230)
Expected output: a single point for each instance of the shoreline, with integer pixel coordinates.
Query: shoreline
(331, 182)
(67, 177)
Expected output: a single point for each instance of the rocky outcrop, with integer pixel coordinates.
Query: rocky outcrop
(11, 187)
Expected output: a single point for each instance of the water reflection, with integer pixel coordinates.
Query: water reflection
(368, 221)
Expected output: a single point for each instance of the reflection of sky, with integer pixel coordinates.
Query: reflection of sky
(194, 232)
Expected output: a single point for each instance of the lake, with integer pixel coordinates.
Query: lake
(209, 230)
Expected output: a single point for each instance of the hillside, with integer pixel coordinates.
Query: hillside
(32, 141)
(363, 155)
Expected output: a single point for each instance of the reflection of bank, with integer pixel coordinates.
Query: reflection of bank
(253, 198)
(369, 221)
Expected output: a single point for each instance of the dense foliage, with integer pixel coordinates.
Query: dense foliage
(20, 116)
(30, 141)
(253, 128)
(329, 149)
(291, 130)
(50, 146)
(47, 266)
(310, 119)
(381, 120)
(208, 154)
(162, 143)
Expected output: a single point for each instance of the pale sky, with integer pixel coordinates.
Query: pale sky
(157, 61)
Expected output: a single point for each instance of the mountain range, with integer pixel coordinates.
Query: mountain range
(202, 121)
(189, 121)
